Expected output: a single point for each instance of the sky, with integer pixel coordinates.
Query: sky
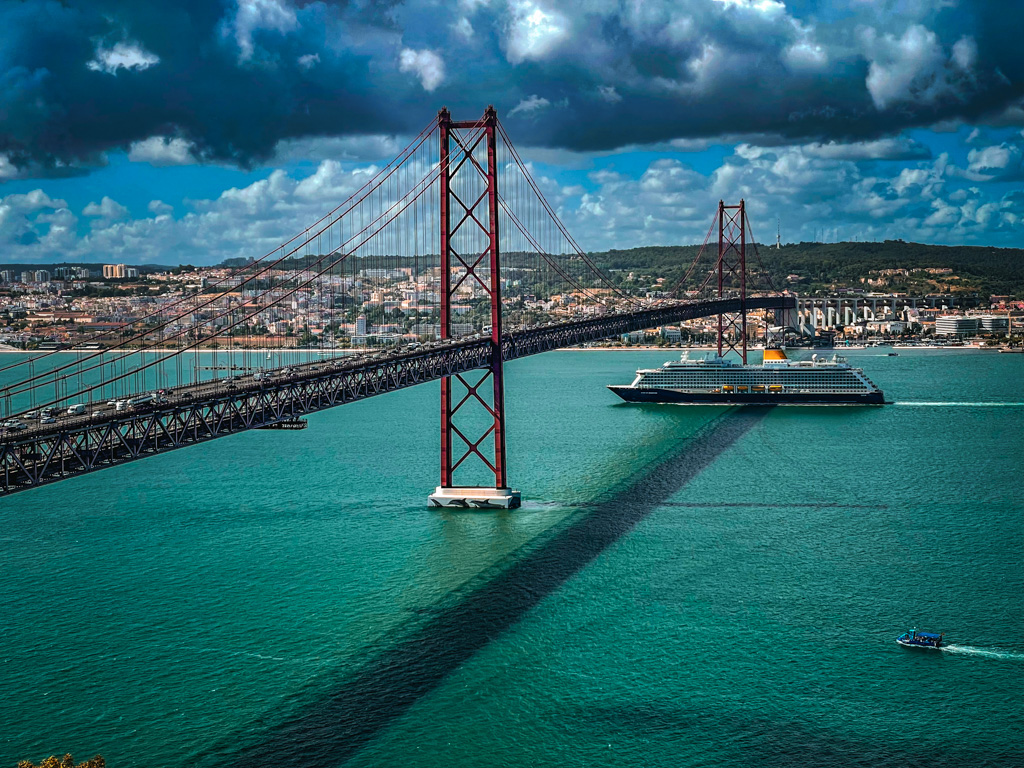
(198, 130)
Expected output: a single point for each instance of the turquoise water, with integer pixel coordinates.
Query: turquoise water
(683, 587)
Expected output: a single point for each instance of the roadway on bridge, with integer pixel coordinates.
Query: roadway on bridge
(104, 411)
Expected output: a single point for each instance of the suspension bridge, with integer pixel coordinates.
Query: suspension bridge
(450, 258)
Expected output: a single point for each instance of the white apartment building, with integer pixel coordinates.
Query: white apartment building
(119, 271)
(994, 323)
(956, 325)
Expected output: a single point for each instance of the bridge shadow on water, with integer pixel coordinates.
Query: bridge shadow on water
(331, 731)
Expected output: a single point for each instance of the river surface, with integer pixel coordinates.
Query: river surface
(684, 586)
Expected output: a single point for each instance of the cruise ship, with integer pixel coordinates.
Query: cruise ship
(714, 380)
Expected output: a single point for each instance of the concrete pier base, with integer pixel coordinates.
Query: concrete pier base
(475, 498)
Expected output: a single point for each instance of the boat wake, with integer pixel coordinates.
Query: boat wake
(917, 403)
(992, 653)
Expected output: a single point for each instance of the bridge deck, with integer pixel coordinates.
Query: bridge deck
(194, 414)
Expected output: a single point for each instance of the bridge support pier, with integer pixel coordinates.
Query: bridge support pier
(470, 260)
(475, 498)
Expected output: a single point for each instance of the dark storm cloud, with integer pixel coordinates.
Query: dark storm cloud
(233, 78)
(70, 93)
(697, 69)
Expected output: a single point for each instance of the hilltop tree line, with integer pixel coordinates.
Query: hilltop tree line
(819, 265)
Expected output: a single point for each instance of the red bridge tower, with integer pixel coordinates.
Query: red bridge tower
(732, 269)
(470, 258)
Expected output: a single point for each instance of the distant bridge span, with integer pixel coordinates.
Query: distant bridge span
(196, 414)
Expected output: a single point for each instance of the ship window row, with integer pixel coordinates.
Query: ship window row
(781, 380)
(815, 387)
(800, 385)
(802, 374)
(708, 385)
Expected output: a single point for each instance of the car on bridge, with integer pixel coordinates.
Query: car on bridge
(135, 402)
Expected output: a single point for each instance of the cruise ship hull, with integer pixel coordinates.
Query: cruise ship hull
(651, 395)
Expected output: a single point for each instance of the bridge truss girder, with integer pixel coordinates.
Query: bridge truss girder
(45, 455)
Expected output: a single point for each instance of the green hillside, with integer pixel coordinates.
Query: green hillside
(828, 266)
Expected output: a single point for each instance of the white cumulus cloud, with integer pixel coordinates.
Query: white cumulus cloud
(914, 68)
(530, 105)
(8, 170)
(805, 56)
(161, 151)
(34, 223)
(106, 209)
(122, 56)
(534, 32)
(425, 64)
(965, 53)
(254, 15)
(1004, 162)
(463, 28)
(761, 6)
(880, 149)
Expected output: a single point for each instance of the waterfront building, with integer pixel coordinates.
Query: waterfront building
(956, 325)
(994, 323)
(671, 334)
(887, 326)
(426, 329)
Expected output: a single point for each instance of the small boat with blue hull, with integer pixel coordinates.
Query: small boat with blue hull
(915, 639)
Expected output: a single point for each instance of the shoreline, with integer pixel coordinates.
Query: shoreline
(788, 349)
(356, 350)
